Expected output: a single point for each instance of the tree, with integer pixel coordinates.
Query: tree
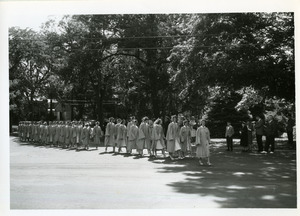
(30, 66)
(239, 50)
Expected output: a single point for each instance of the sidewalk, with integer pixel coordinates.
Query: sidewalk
(52, 178)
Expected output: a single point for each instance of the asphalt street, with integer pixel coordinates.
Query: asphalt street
(53, 178)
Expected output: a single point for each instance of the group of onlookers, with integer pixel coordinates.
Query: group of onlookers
(258, 129)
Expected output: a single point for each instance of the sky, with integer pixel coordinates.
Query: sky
(33, 13)
(33, 20)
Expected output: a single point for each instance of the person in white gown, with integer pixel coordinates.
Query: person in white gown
(202, 143)
(173, 143)
(158, 137)
(132, 137)
(143, 134)
(110, 135)
(121, 136)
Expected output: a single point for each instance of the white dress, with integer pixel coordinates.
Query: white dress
(202, 142)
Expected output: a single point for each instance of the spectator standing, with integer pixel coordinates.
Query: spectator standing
(259, 129)
(271, 132)
(228, 134)
(289, 129)
(250, 137)
(244, 137)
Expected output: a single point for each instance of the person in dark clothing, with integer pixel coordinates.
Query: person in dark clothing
(289, 130)
(229, 136)
(271, 132)
(165, 124)
(244, 137)
(259, 129)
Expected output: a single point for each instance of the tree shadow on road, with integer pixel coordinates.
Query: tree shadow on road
(239, 180)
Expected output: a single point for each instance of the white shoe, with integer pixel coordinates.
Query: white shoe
(271, 152)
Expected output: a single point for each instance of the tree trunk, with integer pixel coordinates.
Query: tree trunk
(51, 112)
(99, 97)
(31, 106)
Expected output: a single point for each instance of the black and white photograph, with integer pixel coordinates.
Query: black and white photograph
(125, 108)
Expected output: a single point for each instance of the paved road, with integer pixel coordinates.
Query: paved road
(52, 178)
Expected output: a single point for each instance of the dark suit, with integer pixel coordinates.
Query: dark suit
(289, 130)
(271, 132)
(228, 134)
(259, 128)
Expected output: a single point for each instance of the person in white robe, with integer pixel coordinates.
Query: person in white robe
(185, 134)
(62, 134)
(193, 126)
(85, 135)
(31, 137)
(73, 134)
(50, 137)
(110, 135)
(173, 142)
(130, 122)
(57, 133)
(202, 143)
(132, 137)
(117, 125)
(41, 134)
(121, 136)
(79, 129)
(158, 137)
(143, 134)
(150, 129)
(98, 134)
(67, 135)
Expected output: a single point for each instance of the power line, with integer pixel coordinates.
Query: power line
(236, 46)
(171, 47)
(146, 37)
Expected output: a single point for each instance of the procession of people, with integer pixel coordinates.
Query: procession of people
(149, 136)
(181, 138)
